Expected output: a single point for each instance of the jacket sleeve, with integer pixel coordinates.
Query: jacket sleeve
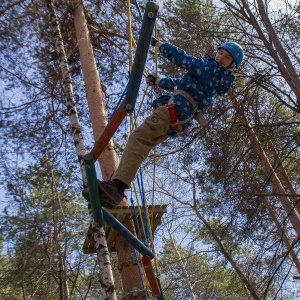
(168, 84)
(225, 82)
(181, 59)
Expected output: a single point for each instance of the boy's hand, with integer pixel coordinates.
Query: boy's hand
(151, 80)
(154, 41)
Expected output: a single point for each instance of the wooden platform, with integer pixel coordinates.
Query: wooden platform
(123, 214)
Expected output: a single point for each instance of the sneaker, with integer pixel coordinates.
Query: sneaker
(110, 195)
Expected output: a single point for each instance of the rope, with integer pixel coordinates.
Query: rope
(138, 9)
(147, 221)
(136, 256)
(135, 217)
(139, 109)
(142, 210)
(137, 259)
(152, 219)
(144, 206)
(144, 221)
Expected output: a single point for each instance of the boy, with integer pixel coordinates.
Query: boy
(194, 91)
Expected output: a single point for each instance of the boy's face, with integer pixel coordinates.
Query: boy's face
(224, 58)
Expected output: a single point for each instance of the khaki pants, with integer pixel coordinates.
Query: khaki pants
(144, 138)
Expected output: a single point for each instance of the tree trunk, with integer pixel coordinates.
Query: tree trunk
(132, 283)
(132, 287)
(181, 261)
(107, 282)
(279, 166)
(108, 160)
(285, 177)
(266, 33)
(246, 283)
(278, 53)
(280, 229)
(268, 170)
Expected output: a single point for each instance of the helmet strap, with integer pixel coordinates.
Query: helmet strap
(232, 65)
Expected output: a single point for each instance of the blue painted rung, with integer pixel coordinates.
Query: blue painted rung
(126, 234)
(140, 56)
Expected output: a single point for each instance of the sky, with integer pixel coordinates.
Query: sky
(277, 4)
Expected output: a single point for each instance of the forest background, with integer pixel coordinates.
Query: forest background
(226, 231)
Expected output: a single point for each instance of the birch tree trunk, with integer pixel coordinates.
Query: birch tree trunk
(106, 275)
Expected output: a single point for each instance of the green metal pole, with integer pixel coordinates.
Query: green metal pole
(161, 297)
(93, 189)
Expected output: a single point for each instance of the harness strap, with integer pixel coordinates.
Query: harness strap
(188, 97)
(198, 116)
(176, 125)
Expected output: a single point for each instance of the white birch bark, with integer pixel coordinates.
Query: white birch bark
(106, 275)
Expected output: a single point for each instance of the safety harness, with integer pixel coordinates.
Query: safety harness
(176, 125)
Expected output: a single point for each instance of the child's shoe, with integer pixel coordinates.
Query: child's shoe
(110, 195)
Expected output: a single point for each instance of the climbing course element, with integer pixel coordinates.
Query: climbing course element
(100, 214)
(127, 105)
(155, 289)
(161, 297)
(140, 56)
(126, 234)
(124, 216)
(93, 190)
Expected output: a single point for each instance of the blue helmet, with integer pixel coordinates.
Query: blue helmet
(235, 50)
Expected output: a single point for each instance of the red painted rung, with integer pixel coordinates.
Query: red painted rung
(146, 261)
(109, 131)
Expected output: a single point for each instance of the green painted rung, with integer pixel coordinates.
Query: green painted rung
(93, 189)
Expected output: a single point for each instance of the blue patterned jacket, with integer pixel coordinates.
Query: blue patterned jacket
(204, 79)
